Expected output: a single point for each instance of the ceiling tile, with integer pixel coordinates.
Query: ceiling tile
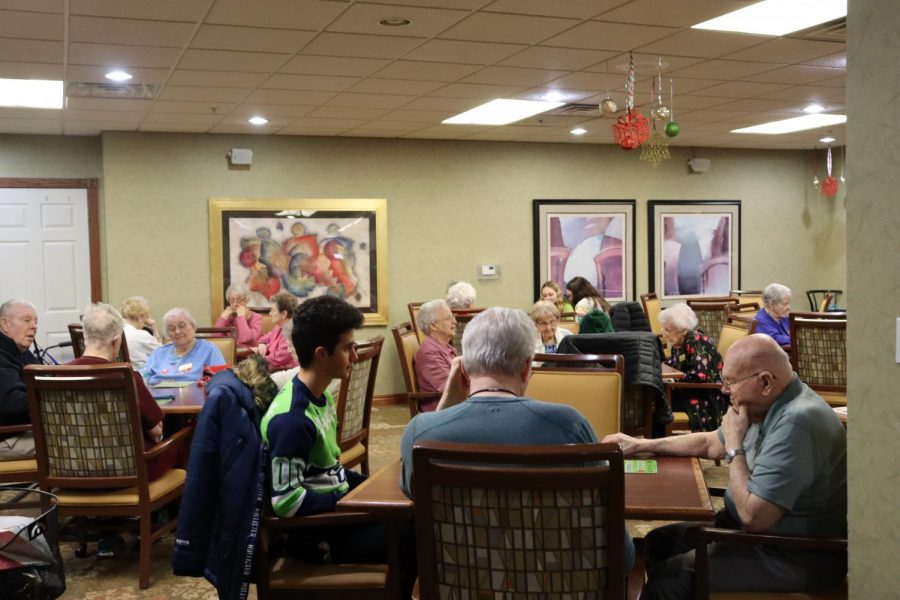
(97, 74)
(476, 53)
(245, 129)
(644, 63)
(175, 128)
(757, 105)
(696, 102)
(565, 59)
(586, 81)
(405, 115)
(220, 60)
(202, 94)
(596, 35)
(451, 105)
(426, 71)
(796, 74)
(513, 29)
(109, 104)
(807, 93)
(385, 124)
(274, 110)
(369, 101)
(162, 117)
(836, 61)
(477, 91)
(326, 123)
(30, 51)
(375, 133)
(395, 86)
(126, 31)
(425, 22)
(289, 97)
(216, 78)
(671, 13)
(311, 15)
(30, 70)
(512, 76)
(703, 44)
(787, 50)
(95, 127)
(331, 65)
(121, 56)
(557, 93)
(274, 124)
(742, 89)
(725, 69)
(250, 39)
(121, 116)
(363, 46)
(577, 9)
(32, 126)
(13, 112)
(282, 81)
(163, 10)
(36, 26)
(197, 108)
(840, 82)
(445, 132)
(48, 6)
(310, 131)
(337, 112)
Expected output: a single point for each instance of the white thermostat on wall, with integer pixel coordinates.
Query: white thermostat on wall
(488, 271)
(240, 156)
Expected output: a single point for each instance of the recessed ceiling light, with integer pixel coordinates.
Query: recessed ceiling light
(554, 96)
(778, 17)
(118, 76)
(501, 112)
(827, 139)
(578, 131)
(813, 108)
(257, 120)
(31, 93)
(795, 124)
(395, 22)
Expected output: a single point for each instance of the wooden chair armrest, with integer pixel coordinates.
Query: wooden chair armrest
(8, 429)
(416, 399)
(705, 535)
(184, 432)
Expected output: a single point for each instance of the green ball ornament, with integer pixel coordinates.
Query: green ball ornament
(672, 129)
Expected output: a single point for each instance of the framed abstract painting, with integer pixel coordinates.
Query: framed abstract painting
(590, 238)
(306, 247)
(695, 247)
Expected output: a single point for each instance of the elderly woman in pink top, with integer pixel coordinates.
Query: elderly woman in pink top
(249, 325)
(275, 346)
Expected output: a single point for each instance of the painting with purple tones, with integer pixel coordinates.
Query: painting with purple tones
(593, 239)
(694, 248)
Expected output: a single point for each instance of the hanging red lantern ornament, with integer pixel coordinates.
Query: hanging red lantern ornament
(631, 129)
(830, 184)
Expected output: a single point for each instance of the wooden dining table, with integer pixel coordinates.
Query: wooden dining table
(676, 492)
(187, 400)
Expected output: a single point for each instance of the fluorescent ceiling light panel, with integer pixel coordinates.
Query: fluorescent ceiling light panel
(778, 17)
(31, 93)
(501, 112)
(796, 124)
(257, 120)
(118, 76)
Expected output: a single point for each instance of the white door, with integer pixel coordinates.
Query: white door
(45, 258)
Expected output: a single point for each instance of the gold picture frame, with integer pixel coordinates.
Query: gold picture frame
(308, 247)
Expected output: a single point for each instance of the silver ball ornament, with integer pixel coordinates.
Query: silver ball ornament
(608, 106)
(660, 112)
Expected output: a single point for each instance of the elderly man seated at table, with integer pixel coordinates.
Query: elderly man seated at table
(186, 356)
(249, 325)
(788, 476)
(546, 318)
(432, 359)
(484, 402)
(18, 328)
(694, 354)
(772, 318)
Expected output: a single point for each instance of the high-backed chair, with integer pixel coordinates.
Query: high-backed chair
(652, 308)
(744, 312)
(825, 302)
(462, 319)
(567, 321)
(590, 383)
(413, 308)
(732, 332)
(266, 318)
(89, 445)
(711, 314)
(819, 353)
(225, 339)
(748, 296)
(708, 535)
(407, 344)
(17, 471)
(815, 298)
(76, 334)
(519, 521)
(354, 405)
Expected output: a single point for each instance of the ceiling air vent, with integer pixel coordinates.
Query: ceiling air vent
(833, 31)
(128, 91)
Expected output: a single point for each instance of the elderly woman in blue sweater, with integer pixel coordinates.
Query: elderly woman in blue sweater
(772, 318)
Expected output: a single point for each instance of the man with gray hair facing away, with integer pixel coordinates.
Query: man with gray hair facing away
(18, 328)
(483, 401)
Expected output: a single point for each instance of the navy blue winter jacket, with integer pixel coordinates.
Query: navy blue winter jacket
(219, 516)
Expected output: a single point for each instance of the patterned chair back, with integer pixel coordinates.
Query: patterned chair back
(519, 521)
(819, 350)
(354, 405)
(462, 319)
(86, 425)
(711, 315)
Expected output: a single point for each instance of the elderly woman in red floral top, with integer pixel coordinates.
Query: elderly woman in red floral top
(696, 356)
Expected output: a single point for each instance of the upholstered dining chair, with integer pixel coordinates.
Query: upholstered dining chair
(652, 308)
(462, 319)
(519, 521)
(748, 297)
(17, 471)
(225, 339)
(819, 353)
(744, 312)
(354, 405)
(407, 344)
(76, 334)
(590, 383)
(413, 308)
(90, 453)
(711, 314)
(708, 535)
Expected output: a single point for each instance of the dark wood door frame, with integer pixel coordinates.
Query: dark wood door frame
(93, 206)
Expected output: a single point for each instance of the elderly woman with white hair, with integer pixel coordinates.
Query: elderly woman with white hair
(185, 357)
(249, 325)
(460, 295)
(694, 354)
(433, 358)
(546, 318)
(772, 318)
(138, 327)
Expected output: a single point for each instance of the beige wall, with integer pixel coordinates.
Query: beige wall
(873, 261)
(451, 206)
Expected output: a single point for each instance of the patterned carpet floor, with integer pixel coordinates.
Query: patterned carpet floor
(117, 578)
